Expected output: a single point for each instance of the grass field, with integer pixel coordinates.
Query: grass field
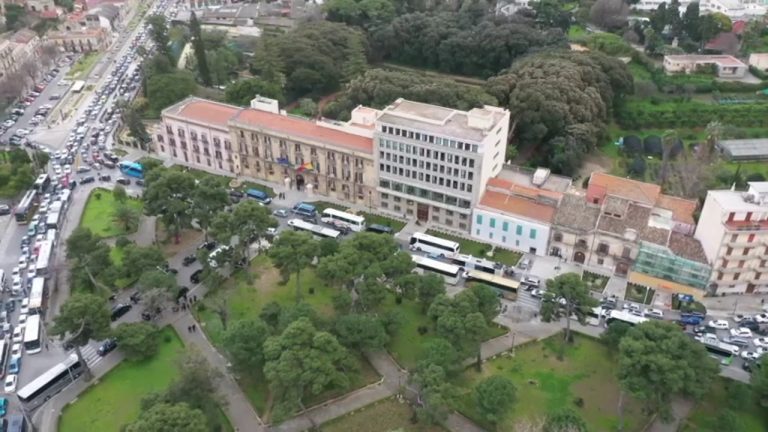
(387, 415)
(639, 294)
(481, 250)
(371, 218)
(83, 66)
(586, 376)
(322, 205)
(114, 401)
(97, 215)
(595, 282)
(705, 416)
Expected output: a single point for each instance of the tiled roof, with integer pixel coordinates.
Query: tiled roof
(309, 130)
(203, 111)
(575, 213)
(682, 209)
(518, 189)
(635, 218)
(687, 247)
(516, 205)
(633, 190)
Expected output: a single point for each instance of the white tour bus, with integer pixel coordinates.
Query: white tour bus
(33, 335)
(624, 316)
(50, 382)
(36, 295)
(449, 272)
(44, 258)
(301, 225)
(339, 218)
(434, 245)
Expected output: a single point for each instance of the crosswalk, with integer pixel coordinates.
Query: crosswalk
(91, 356)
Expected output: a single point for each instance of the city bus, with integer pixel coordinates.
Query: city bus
(78, 86)
(434, 245)
(132, 169)
(33, 335)
(468, 262)
(42, 183)
(449, 271)
(36, 295)
(624, 316)
(259, 196)
(47, 385)
(494, 281)
(52, 220)
(300, 225)
(44, 258)
(336, 217)
(4, 347)
(26, 207)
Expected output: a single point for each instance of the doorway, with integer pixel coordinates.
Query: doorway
(299, 182)
(579, 257)
(422, 212)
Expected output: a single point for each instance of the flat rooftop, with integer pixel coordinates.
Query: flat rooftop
(722, 60)
(745, 148)
(524, 177)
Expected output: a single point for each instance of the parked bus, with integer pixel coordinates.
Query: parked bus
(26, 207)
(47, 385)
(4, 346)
(300, 225)
(33, 335)
(42, 183)
(468, 262)
(354, 222)
(50, 235)
(624, 316)
(78, 86)
(494, 281)
(132, 169)
(66, 195)
(594, 315)
(449, 271)
(44, 258)
(36, 295)
(259, 196)
(52, 220)
(434, 245)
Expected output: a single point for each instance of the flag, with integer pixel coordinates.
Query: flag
(305, 166)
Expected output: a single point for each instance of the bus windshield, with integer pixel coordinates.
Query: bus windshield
(132, 169)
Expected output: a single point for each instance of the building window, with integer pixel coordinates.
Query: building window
(479, 219)
(519, 230)
(736, 276)
(493, 223)
(745, 251)
(397, 208)
(462, 225)
(558, 237)
(477, 232)
(602, 248)
(435, 218)
(533, 234)
(503, 239)
(505, 226)
(600, 261)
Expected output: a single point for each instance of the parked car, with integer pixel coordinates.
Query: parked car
(531, 281)
(719, 324)
(280, 213)
(107, 347)
(537, 293)
(120, 310)
(196, 277)
(86, 180)
(741, 332)
(10, 383)
(761, 342)
(5, 209)
(653, 313)
(105, 178)
(14, 366)
(189, 259)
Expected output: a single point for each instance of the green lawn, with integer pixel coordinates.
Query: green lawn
(371, 218)
(704, 417)
(83, 66)
(387, 415)
(322, 205)
(587, 374)
(639, 72)
(114, 401)
(224, 180)
(595, 282)
(639, 294)
(481, 250)
(97, 215)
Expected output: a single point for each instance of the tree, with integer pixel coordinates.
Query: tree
(291, 252)
(442, 353)
(429, 287)
(759, 381)
(119, 193)
(564, 420)
(14, 16)
(83, 317)
(361, 332)
(166, 417)
(164, 90)
(132, 120)
(551, 14)
(356, 63)
(494, 397)
(198, 45)
(126, 216)
(92, 267)
(304, 361)
(571, 293)
(371, 291)
(437, 394)
(210, 198)
(139, 340)
(169, 195)
(614, 333)
(609, 14)
(488, 302)
(138, 260)
(244, 342)
(328, 247)
(241, 92)
(658, 361)
(247, 223)
(711, 25)
(158, 30)
(690, 21)
(268, 63)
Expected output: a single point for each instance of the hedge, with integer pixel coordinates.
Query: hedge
(691, 114)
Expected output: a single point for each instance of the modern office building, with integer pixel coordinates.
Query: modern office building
(733, 230)
(433, 163)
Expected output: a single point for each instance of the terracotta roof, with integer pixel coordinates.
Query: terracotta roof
(738, 27)
(304, 128)
(576, 213)
(204, 111)
(687, 247)
(525, 191)
(682, 209)
(633, 190)
(516, 205)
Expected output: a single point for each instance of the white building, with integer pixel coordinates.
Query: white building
(517, 217)
(727, 66)
(733, 230)
(759, 60)
(434, 162)
(733, 9)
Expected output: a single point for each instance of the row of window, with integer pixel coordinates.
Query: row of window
(505, 226)
(438, 197)
(197, 160)
(428, 178)
(421, 164)
(418, 136)
(421, 152)
(503, 238)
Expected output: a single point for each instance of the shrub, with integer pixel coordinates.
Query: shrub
(755, 177)
(637, 167)
(423, 330)
(122, 242)
(632, 145)
(676, 149)
(652, 145)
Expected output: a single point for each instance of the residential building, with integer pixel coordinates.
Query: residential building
(434, 162)
(40, 5)
(196, 131)
(681, 260)
(516, 215)
(80, 40)
(17, 49)
(726, 66)
(733, 9)
(759, 60)
(573, 228)
(733, 230)
(329, 158)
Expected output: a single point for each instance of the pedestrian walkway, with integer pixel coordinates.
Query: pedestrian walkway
(616, 286)
(90, 355)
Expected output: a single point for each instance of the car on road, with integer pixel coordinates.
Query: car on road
(749, 355)
(741, 332)
(196, 277)
(210, 245)
(5, 209)
(739, 342)
(14, 366)
(86, 180)
(189, 259)
(761, 342)
(107, 347)
(537, 293)
(18, 335)
(16, 351)
(531, 281)
(761, 318)
(22, 320)
(653, 313)
(3, 407)
(83, 169)
(719, 324)
(122, 180)
(10, 383)
(105, 178)
(119, 310)
(280, 213)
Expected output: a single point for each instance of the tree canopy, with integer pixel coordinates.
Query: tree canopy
(244, 341)
(139, 340)
(164, 90)
(494, 397)
(241, 92)
(166, 417)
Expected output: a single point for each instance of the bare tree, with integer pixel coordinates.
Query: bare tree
(668, 141)
(609, 14)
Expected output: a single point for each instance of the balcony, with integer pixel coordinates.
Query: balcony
(758, 225)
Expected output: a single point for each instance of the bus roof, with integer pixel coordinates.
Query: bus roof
(130, 164)
(27, 200)
(436, 240)
(46, 377)
(36, 293)
(352, 217)
(32, 329)
(437, 265)
(493, 279)
(627, 317)
(317, 229)
(44, 254)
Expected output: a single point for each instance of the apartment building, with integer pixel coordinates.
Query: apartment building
(733, 230)
(16, 49)
(433, 163)
(196, 131)
(518, 208)
(328, 158)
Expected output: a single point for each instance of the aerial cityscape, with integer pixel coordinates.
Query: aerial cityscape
(384, 216)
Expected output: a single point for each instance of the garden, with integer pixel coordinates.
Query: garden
(99, 213)
(115, 400)
(83, 66)
(371, 219)
(388, 415)
(639, 294)
(480, 250)
(584, 379)
(594, 281)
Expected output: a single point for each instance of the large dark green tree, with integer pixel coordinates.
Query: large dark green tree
(494, 397)
(291, 253)
(567, 295)
(138, 340)
(169, 194)
(198, 45)
(244, 342)
(210, 199)
(248, 222)
(241, 92)
(158, 30)
(170, 417)
(82, 318)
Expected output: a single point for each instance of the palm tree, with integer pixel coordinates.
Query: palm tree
(126, 216)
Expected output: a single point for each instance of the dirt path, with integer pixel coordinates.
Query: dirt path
(594, 162)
